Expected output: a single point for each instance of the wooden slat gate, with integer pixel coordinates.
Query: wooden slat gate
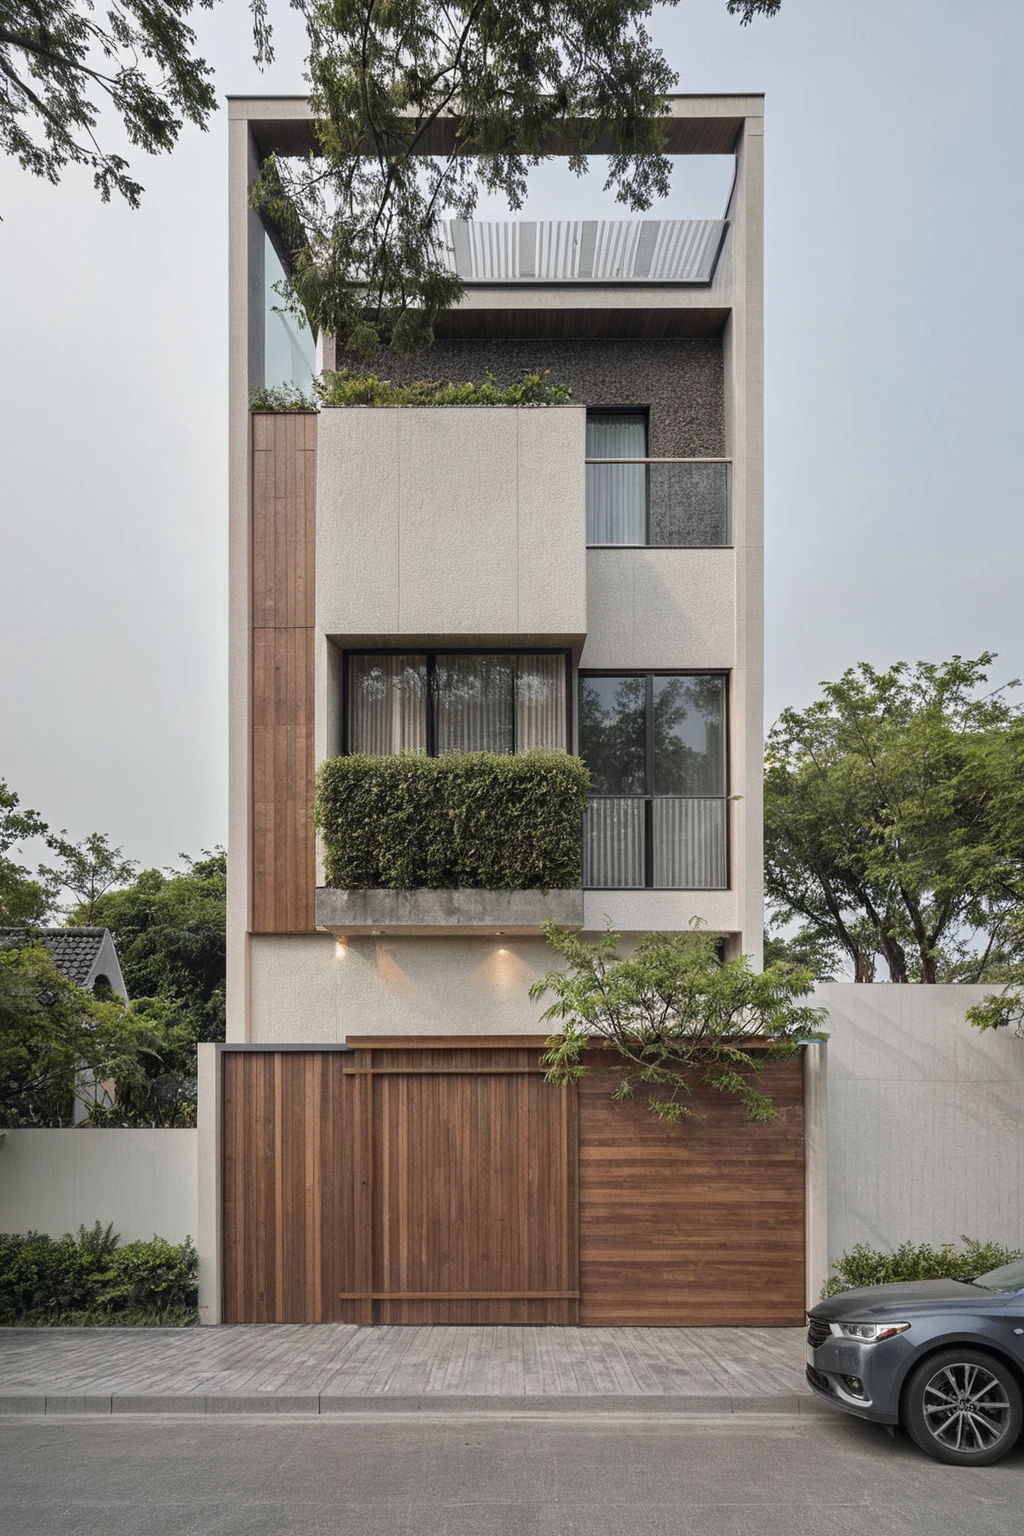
(435, 1182)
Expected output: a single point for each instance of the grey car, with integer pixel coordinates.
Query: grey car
(944, 1358)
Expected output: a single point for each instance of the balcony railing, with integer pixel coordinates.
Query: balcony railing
(669, 842)
(671, 503)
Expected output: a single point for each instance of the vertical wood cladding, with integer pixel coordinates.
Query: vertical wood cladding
(699, 1225)
(283, 607)
(445, 1183)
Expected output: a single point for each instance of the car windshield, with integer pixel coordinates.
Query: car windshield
(1008, 1277)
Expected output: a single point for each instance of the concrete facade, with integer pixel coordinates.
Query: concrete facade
(142, 1182)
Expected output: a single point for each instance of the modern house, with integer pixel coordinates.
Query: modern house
(585, 577)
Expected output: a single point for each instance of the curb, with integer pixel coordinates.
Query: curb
(314, 1405)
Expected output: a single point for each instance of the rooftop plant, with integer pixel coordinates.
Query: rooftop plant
(482, 820)
(350, 388)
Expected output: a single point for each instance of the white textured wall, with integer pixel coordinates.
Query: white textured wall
(925, 1119)
(454, 521)
(655, 608)
(144, 1182)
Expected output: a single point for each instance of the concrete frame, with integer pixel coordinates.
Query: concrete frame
(697, 124)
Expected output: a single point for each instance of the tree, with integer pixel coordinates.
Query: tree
(879, 806)
(88, 870)
(361, 216)
(23, 899)
(56, 1039)
(676, 1015)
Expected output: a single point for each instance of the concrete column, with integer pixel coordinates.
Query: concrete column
(209, 1236)
(815, 1170)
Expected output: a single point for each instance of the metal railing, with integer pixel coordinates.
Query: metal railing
(669, 842)
(671, 503)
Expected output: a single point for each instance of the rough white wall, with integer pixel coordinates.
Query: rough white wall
(925, 1119)
(57, 1181)
(660, 608)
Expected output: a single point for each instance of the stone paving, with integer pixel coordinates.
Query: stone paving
(302, 1365)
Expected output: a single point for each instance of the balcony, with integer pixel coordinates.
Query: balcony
(660, 503)
(665, 842)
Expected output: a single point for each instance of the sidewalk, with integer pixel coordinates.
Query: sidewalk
(337, 1368)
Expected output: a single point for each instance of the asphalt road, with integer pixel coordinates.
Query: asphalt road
(438, 1476)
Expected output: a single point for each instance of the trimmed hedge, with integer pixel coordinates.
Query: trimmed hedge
(480, 820)
(871, 1266)
(93, 1279)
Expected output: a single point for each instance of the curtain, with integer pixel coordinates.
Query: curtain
(540, 702)
(473, 703)
(616, 493)
(387, 704)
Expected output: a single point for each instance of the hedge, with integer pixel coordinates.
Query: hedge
(94, 1279)
(872, 1266)
(481, 820)
(347, 387)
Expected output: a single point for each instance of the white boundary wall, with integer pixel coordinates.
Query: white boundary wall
(144, 1182)
(924, 1119)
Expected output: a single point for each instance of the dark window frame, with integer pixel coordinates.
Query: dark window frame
(430, 654)
(649, 796)
(645, 411)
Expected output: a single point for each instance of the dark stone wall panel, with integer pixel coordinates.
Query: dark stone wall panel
(681, 381)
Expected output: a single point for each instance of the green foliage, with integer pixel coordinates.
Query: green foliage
(805, 949)
(64, 66)
(88, 869)
(23, 899)
(677, 1016)
(280, 397)
(93, 1279)
(56, 1040)
(367, 258)
(482, 819)
(871, 1266)
(893, 821)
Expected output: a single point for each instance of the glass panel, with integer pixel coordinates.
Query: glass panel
(387, 704)
(613, 843)
(689, 736)
(613, 714)
(617, 493)
(540, 702)
(289, 349)
(689, 843)
(689, 504)
(473, 703)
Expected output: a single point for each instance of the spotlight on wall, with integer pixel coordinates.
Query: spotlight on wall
(340, 946)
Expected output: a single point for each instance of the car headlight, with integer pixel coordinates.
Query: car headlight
(868, 1333)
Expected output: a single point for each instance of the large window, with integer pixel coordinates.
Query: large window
(655, 745)
(634, 499)
(456, 701)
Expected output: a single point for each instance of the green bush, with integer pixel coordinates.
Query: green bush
(870, 1266)
(482, 820)
(350, 388)
(93, 1279)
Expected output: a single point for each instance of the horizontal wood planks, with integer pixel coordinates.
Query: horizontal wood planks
(701, 1224)
(283, 606)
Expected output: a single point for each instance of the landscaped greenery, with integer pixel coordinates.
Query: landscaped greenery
(871, 1266)
(93, 1279)
(483, 820)
(677, 1017)
(349, 388)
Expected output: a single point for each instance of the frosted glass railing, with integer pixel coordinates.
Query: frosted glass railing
(677, 503)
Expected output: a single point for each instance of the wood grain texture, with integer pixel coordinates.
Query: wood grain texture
(697, 1225)
(283, 607)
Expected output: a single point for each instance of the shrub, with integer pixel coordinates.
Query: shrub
(93, 1279)
(482, 820)
(349, 388)
(871, 1266)
(280, 397)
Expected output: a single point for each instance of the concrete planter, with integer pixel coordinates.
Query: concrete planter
(433, 912)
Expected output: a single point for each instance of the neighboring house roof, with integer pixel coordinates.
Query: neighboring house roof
(585, 250)
(83, 955)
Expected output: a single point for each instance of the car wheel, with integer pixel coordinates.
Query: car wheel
(963, 1407)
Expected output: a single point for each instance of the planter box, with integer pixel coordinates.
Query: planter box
(425, 913)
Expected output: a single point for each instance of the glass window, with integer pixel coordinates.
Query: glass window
(613, 728)
(289, 348)
(455, 701)
(688, 715)
(616, 493)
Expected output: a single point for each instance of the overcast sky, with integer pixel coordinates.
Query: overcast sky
(893, 393)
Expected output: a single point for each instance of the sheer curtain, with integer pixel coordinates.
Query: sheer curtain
(387, 704)
(540, 702)
(616, 493)
(473, 703)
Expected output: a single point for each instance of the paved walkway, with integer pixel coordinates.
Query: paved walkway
(336, 1368)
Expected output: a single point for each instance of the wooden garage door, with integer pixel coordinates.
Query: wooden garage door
(698, 1225)
(425, 1184)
